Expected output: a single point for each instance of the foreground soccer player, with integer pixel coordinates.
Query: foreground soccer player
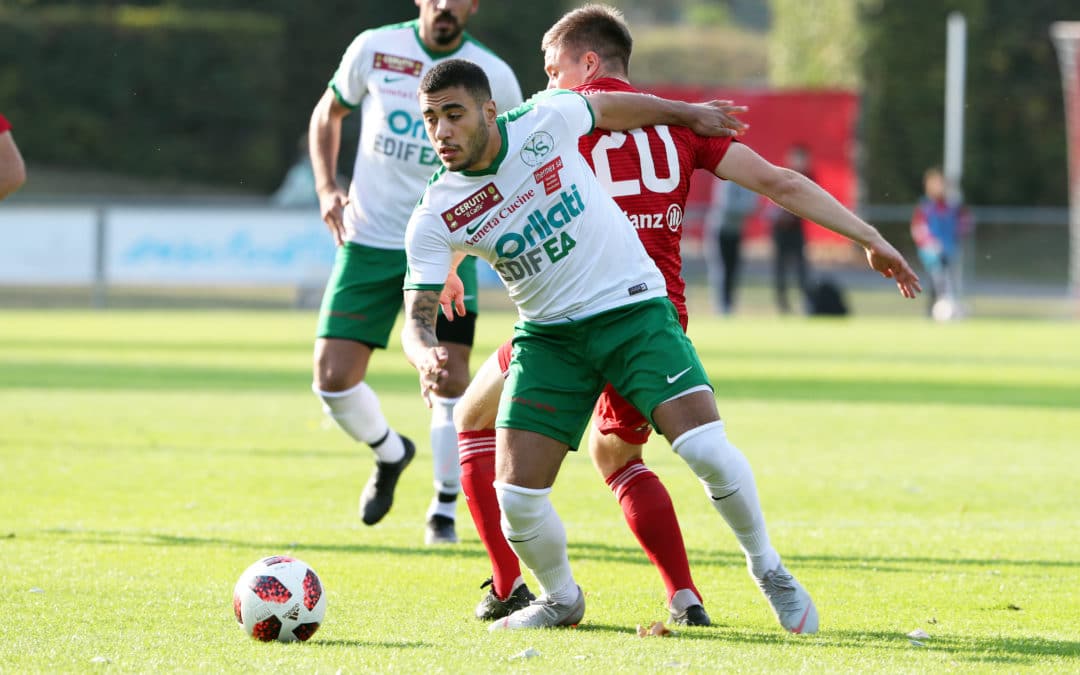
(378, 75)
(589, 49)
(588, 295)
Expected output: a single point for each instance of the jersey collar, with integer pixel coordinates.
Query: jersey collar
(434, 55)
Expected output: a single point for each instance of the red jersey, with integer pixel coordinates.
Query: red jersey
(4, 124)
(648, 171)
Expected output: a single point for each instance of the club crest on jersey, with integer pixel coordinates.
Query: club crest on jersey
(472, 207)
(536, 147)
(397, 64)
(674, 217)
(548, 176)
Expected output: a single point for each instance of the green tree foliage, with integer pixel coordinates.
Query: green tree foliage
(202, 90)
(148, 91)
(1014, 141)
(814, 44)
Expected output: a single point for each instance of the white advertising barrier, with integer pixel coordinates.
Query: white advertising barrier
(47, 245)
(147, 245)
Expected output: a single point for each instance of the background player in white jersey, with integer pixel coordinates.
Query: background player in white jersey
(589, 49)
(593, 305)
(378, 74)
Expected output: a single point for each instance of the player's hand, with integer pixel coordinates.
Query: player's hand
(452, 298)
(890, 264)
(717, 118)
(332, 209)
(433, 372)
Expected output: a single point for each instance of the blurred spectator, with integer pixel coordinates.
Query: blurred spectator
(298, 187)
(730, 208)
(789, 239)
(12, 168)
(937, 227)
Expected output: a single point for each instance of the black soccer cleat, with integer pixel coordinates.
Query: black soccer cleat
(492, 608)
(440, 530)
(378, 494)
(694, 615)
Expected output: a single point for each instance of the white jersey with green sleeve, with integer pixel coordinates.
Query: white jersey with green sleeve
(380, 74)
(539, 216)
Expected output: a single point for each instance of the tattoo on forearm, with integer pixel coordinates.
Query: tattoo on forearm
(423, 313)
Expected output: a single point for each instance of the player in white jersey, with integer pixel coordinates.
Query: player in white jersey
(378, 75)
(593, 305)
(589, 49)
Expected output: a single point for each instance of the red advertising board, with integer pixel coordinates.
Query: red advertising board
(821, 120)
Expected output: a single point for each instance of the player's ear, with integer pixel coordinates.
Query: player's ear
(490, 111)
(592, 63)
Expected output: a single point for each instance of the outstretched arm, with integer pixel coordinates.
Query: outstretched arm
(12, 169)
(803, 197)
(619, 111)
(419, 342)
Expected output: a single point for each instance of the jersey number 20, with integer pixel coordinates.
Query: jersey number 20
(653, 183)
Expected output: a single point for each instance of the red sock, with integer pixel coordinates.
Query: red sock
(647, 507)
(476, 451)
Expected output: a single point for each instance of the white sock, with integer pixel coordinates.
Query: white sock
(537, 536)
(729, 483)
(442, 504)
(444, 453)
(358, 413)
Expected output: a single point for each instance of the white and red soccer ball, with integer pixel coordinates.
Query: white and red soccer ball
(279, 598)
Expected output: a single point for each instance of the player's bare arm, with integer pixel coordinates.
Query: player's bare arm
(420, 343)
(12, 168)
(324, 141)
(619, 111)
(452, 298)
(803, 197)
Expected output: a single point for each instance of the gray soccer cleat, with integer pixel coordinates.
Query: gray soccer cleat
(491, 607)
(790, 601)
(440, 530)
(694, 615)
(543, 613)
(686, 609)
(378, 494)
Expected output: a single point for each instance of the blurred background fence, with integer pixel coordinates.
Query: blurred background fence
(154, 130)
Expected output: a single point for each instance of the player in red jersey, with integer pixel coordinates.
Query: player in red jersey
(647, 171)
(12, 169)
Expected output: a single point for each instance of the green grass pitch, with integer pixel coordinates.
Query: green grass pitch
(914, 476)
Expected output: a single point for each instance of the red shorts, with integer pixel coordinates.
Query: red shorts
(613, 413)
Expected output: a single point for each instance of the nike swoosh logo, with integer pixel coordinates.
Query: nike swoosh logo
(471, 229)
(672, 378)
(388, 80)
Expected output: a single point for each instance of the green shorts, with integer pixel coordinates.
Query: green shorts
(558, 371)
(363, 296)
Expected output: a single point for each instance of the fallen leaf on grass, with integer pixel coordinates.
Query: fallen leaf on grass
(1015, 608)
(527, 654)
(656, 628)
(918, 634)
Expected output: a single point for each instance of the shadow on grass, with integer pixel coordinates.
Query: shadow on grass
(161, 376)
(387, 644)
(1008, 651)
(578, 551)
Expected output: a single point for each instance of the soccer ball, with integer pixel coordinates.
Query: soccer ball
(279, 598)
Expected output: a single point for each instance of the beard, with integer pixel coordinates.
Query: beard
(447, 35)
(474, 151)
